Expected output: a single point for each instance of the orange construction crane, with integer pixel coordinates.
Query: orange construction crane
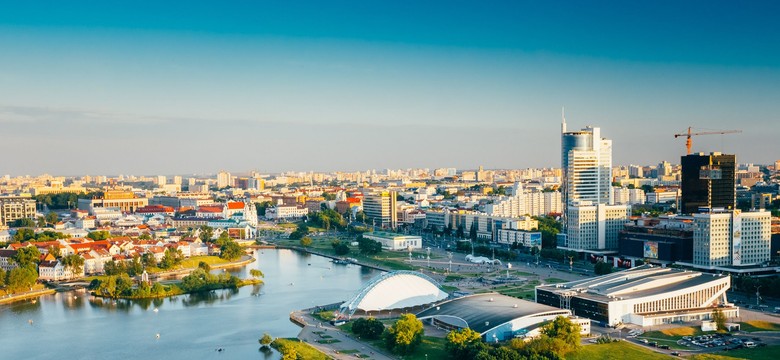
(688, 135)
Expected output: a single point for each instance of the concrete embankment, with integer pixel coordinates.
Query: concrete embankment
(310, 251)
(26, 295)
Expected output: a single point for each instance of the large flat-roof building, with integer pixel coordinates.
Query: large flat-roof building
(732, 238)
(644, 295)
(496, 317)
(393, 241)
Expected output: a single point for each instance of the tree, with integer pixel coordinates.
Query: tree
(720, 319)
(564, 330)
(171, 258)
(2, 277)
(255, 273)
(340, 248)
(52, 218)
(112, 268)
(306, 241)
(473, 231)
(206, 233)
(41, 221)
(368, 246)
(73, 262)
(204, 265)
(261, 207)
(54, 251)
(230, 250)
(23, 222)
(28, 256)
(145, 236)
(368, 328)
(136, 267)
(21, 278)
(300, 232)
(24, 234)
(149, 260)
(404, 336)
(602, 268)
(464, 344)
(266, 340)
(99, 235)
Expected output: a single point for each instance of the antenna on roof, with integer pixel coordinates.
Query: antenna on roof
(563, 118)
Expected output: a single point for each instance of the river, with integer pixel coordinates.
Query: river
(75, 325)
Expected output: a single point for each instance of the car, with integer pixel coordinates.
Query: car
(675, 353)
(645, 341)
(654, 344)
(665, 347)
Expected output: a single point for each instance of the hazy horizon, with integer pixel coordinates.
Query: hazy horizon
(89, 87)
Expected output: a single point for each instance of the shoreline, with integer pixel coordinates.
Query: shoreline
(245, 260)
(334, 257)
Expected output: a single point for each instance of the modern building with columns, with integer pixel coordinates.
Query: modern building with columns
(645, 295)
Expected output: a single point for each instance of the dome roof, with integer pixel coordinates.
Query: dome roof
(395, 290)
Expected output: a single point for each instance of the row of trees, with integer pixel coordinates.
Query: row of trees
(558, 338)
(327, 219)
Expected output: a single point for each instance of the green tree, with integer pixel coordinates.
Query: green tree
(145, 236)
(341, 248)
(473, 231)
(230, 250)
(23, 222)
(223, 238)
(24, 234)
(405, 334)
(602, 268)
(113, 268)
(54, 251)
(2, 277)
(21, 278)
(300, 232)
(720, 319)
(564, 330)
(171, 258)
(52, 218)
(255, 273)
(464, 344)
(266, 340)
(368, 246)
(149, 260)
(368, 328)
(306, 241)
(99, 235)
(136, 267)
(206, 233)
(27, 256)
(73, 262)
(261, 207)
(204, 265)
(41, 222)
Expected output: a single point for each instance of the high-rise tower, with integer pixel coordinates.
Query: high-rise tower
(708, 181)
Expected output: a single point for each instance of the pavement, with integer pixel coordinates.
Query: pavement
(314, 330)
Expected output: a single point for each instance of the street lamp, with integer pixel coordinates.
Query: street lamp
(758, 295)
(429, 256)
(410, 253)
(449, 256)
(571, 263)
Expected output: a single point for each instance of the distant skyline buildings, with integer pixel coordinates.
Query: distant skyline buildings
(115, 90)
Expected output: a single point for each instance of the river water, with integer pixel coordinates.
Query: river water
(75, 325)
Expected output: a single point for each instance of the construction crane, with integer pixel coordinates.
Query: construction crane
(688, 135)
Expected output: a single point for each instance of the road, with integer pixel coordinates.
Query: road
(316, 331)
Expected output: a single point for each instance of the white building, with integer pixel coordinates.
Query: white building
(643, 295)
(594, 227)
(392, 241)
(281, 212)
(731, 238)
(224, 179)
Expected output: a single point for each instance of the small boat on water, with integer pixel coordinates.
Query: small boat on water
(341, 261)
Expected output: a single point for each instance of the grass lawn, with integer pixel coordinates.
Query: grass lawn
(35, 287)
(671, 336)
(304, 350)
(449, 289)
(433, 346)
(621, 350)
(762, 353)
(755, 325)
(208, 259)
(554, 280)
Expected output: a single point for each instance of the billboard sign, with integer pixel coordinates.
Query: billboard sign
(651, 249)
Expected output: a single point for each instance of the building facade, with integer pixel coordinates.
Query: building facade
(13, 208)
(380, 207)
(731, 238)
(708, 181)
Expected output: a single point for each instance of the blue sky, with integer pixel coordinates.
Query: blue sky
(108, 87)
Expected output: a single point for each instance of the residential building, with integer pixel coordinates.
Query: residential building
(594, 226)
(126, 201)
(13, 208)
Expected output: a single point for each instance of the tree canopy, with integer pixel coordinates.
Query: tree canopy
(405, 334)
(464, 344)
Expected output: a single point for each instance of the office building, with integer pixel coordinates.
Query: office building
(708, 181)
(380, 208)
(731, 238)
(589, 222)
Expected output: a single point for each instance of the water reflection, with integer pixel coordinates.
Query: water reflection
(208, 297)
(26, 306)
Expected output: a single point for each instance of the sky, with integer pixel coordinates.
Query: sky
(150, 87)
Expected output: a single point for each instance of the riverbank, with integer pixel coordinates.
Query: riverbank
(26, 295)
(175, 290)
(243, 261)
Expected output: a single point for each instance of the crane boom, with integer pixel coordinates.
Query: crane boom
(689, 133)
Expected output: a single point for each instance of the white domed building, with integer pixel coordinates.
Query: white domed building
(396, 290)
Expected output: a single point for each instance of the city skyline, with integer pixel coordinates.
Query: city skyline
(93, 88)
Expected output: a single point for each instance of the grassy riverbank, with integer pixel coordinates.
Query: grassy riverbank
(301, 349)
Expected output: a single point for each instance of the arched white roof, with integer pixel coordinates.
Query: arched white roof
(395, 290)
